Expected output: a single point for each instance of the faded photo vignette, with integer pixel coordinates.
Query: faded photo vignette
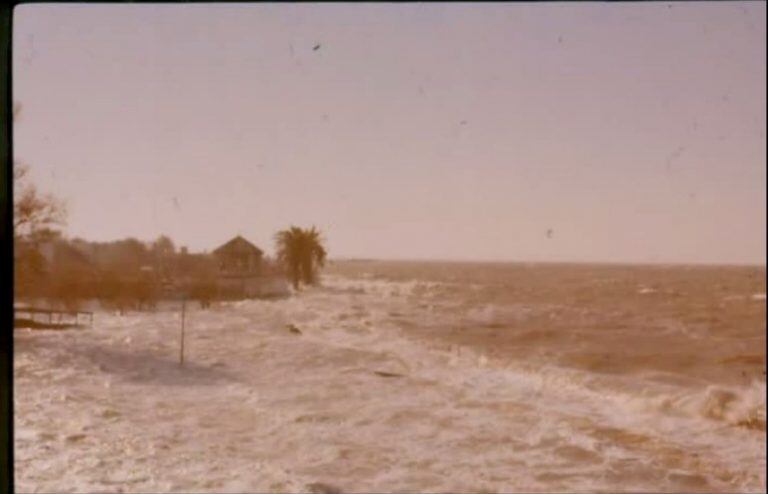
(380, 247)
(6, 340)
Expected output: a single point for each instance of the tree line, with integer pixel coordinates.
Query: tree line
(127, 273)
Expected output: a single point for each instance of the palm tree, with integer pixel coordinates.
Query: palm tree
(301, 252)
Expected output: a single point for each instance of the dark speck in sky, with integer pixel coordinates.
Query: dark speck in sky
(316, 47)
(674, 155)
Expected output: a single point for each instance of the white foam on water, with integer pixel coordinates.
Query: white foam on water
(351, 402)
(491, 315)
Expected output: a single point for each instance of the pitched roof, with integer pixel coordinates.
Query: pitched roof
(238, 245)
(61, 252)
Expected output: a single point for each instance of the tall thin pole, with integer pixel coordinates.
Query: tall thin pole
(183, 310)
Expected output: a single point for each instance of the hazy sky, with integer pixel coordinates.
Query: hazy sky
(635, 132)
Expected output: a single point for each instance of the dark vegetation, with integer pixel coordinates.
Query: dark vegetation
(132, 275)
(301, 252)
(122, 275)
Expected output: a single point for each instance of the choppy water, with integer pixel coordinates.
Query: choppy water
(414, 377)
(697, 323)
(663, 363)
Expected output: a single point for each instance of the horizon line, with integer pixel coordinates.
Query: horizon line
(560, 262)
(348, 258)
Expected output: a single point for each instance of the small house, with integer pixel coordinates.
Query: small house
(242, 272)
(238, 257)
(62, 258)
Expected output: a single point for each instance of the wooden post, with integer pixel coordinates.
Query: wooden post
(183, 310)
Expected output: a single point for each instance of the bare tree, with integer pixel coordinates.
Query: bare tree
(33, 213)
(35, 217)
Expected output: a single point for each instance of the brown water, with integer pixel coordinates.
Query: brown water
(666, 343)
(698, 323)
(412, 377)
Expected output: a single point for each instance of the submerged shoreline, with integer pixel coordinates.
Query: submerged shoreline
(399, 385)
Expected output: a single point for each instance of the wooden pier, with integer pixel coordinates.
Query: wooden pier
(51, 318)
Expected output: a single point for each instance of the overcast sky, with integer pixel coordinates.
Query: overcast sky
(564, 132)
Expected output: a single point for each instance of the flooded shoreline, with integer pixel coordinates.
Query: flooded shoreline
(389, 385)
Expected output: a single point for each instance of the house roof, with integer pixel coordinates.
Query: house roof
(238, 245)
(59, 255)
(62, 252)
